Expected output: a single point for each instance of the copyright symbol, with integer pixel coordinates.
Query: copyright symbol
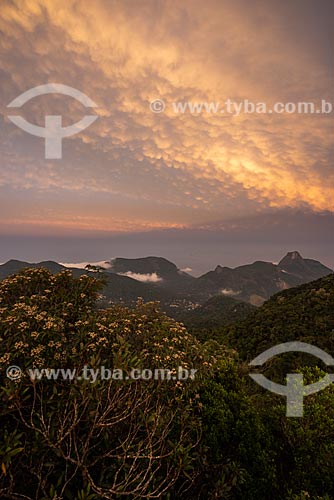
(14, 372)
(157, 106)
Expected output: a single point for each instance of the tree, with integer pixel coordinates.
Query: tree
(108, 439)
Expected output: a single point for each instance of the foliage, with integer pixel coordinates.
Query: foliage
(219, 310)
(217, 436)
(119, 438)
(303, 313)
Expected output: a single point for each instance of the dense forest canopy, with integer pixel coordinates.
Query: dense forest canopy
(216, 436)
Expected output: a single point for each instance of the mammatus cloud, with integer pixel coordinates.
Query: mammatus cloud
(135, 170)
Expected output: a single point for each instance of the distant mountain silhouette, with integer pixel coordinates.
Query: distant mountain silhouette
(154, 269)
(256, 282)
(156, 278)
(118, 289)
(14, 266)
(305, 269)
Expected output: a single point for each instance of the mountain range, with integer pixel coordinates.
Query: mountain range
(156, 278)
(255, 283)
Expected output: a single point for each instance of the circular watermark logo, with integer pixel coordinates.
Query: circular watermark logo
(294, 390)
(53, 132)
(14, 372)
(157, 106)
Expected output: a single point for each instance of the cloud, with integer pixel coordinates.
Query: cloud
(186, 270)
(229, 292)
(144, 278)
(135, 169)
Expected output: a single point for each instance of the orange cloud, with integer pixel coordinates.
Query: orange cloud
(124, 57)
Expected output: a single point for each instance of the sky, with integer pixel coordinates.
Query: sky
(201, 189)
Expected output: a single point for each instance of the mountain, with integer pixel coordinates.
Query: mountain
(304, 313)
(255, 283)
(305, 269)
(153, 269)
(127, 290)
(14, 266)
(118, 288)
(215, 312)
(252, 283)
(156, 278)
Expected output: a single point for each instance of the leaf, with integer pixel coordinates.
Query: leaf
(3, 468)
(14, 452)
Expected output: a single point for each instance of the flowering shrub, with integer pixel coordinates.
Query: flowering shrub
(76, 440)
(108, 439)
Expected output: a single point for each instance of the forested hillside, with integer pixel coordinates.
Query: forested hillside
(216, 435)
